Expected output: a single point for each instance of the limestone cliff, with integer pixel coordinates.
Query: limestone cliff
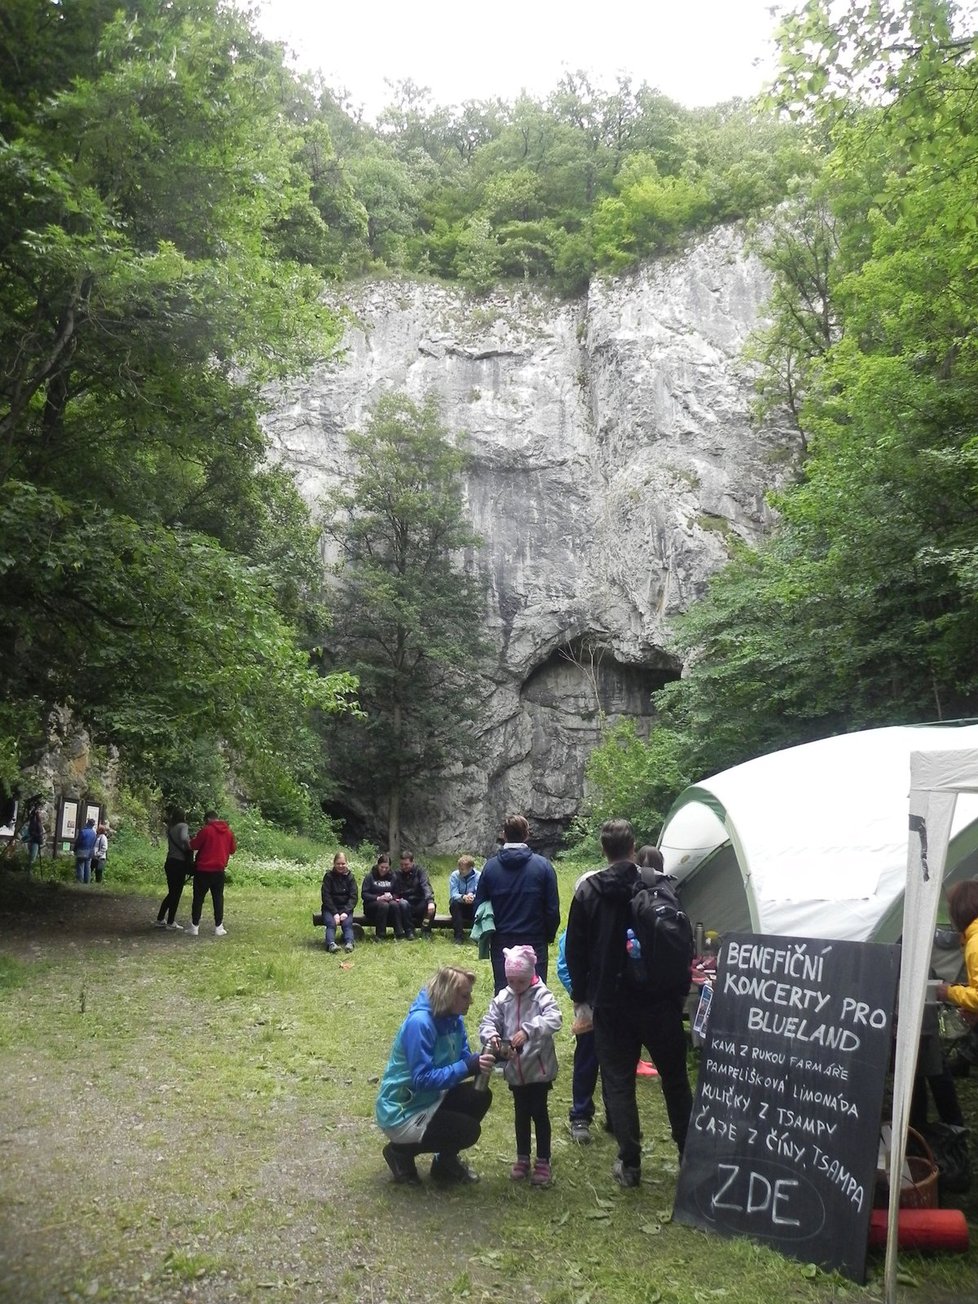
(615, 458)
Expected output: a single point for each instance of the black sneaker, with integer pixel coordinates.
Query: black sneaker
(410, 935)
(625, 1175)
(580, 1130)
(402, 1166)
(449, 1168)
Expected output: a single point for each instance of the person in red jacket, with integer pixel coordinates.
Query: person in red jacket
(214, 845)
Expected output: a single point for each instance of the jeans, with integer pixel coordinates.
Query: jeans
(83, 868)
(619, 1035)
(584, 1079)
(346, 925)
(456, 1125)
(33, 852)
(208, 880)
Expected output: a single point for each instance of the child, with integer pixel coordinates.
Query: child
(339, 895)
(524, 1016)
(962, 904)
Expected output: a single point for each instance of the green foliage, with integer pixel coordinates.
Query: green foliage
(630, 778)
(861, 609)
(156, 206)
(408, 607)
(548, 189)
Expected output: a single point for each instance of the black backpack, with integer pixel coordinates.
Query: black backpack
(664, 934)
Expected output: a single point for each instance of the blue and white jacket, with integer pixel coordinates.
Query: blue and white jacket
(459, 887)
(430, 1055)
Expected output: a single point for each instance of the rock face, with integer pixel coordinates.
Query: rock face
(614, 460)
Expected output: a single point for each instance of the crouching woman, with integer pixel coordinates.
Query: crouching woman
(425, 1104)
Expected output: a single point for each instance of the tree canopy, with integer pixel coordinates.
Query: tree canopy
(160, 579)
(862, 608)
(409, 611)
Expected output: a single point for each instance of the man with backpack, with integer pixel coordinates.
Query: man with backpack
(637, 997)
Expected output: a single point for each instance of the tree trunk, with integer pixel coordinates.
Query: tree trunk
(394, 798)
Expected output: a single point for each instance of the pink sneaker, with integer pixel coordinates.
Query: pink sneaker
(541, 1175)
(520, 1169)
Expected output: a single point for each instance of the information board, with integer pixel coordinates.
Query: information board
(784, 1136)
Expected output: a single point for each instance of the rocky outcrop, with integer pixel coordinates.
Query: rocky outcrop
(614, 461)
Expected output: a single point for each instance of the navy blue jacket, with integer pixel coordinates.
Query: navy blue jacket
(522, 887)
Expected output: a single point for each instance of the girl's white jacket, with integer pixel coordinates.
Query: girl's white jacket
(535, 1011)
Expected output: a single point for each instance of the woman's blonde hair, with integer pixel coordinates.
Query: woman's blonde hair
(445, 986)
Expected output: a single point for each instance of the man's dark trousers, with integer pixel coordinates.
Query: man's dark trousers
(619, 1036)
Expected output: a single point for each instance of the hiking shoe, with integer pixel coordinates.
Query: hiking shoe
(580, 1130)
(450, 1168)
(159, 923)
(520, 1169)
(625, 1175)
(332, 948)
(193, 930)
(541, 1175)
(220, 931)
(402, 1167)
(348, 947)
(174, 927)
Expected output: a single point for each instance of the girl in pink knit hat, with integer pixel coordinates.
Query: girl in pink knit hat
(519, 1028)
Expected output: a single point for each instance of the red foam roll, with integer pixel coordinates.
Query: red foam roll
(923, 1229)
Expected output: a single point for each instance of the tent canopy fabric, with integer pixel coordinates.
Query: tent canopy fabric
(852, 837)
(812, 841)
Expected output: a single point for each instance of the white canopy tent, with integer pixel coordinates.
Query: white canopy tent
(812, 841)
(940, 782)
(815, 841)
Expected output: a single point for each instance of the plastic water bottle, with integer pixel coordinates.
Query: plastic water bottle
(632, 945)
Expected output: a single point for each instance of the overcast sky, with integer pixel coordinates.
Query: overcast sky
(695, 51)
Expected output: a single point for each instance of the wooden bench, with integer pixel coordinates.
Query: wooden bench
(361, 923)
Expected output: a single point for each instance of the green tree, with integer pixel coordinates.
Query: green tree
(161, 575)
(409, 610)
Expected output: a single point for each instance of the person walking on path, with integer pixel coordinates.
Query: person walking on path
(597, 962)
(426, 1104)
(339, 896)
(214, 845)
(84, 846)
(178, 865)
(522, 890)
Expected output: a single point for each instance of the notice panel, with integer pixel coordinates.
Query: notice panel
(784, 1136)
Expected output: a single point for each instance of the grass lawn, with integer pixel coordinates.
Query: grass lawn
(192, 1119)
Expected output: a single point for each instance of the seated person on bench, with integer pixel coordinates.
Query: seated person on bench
(461, 895)
(380, 903)
(411, 885)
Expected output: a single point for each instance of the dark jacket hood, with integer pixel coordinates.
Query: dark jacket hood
(615, 882)
(514, 857)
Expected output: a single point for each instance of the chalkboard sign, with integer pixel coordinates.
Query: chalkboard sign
(784, 1136)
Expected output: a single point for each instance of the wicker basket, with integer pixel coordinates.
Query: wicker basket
(918, 1186)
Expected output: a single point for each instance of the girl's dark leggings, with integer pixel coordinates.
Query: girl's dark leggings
(530, 1102)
